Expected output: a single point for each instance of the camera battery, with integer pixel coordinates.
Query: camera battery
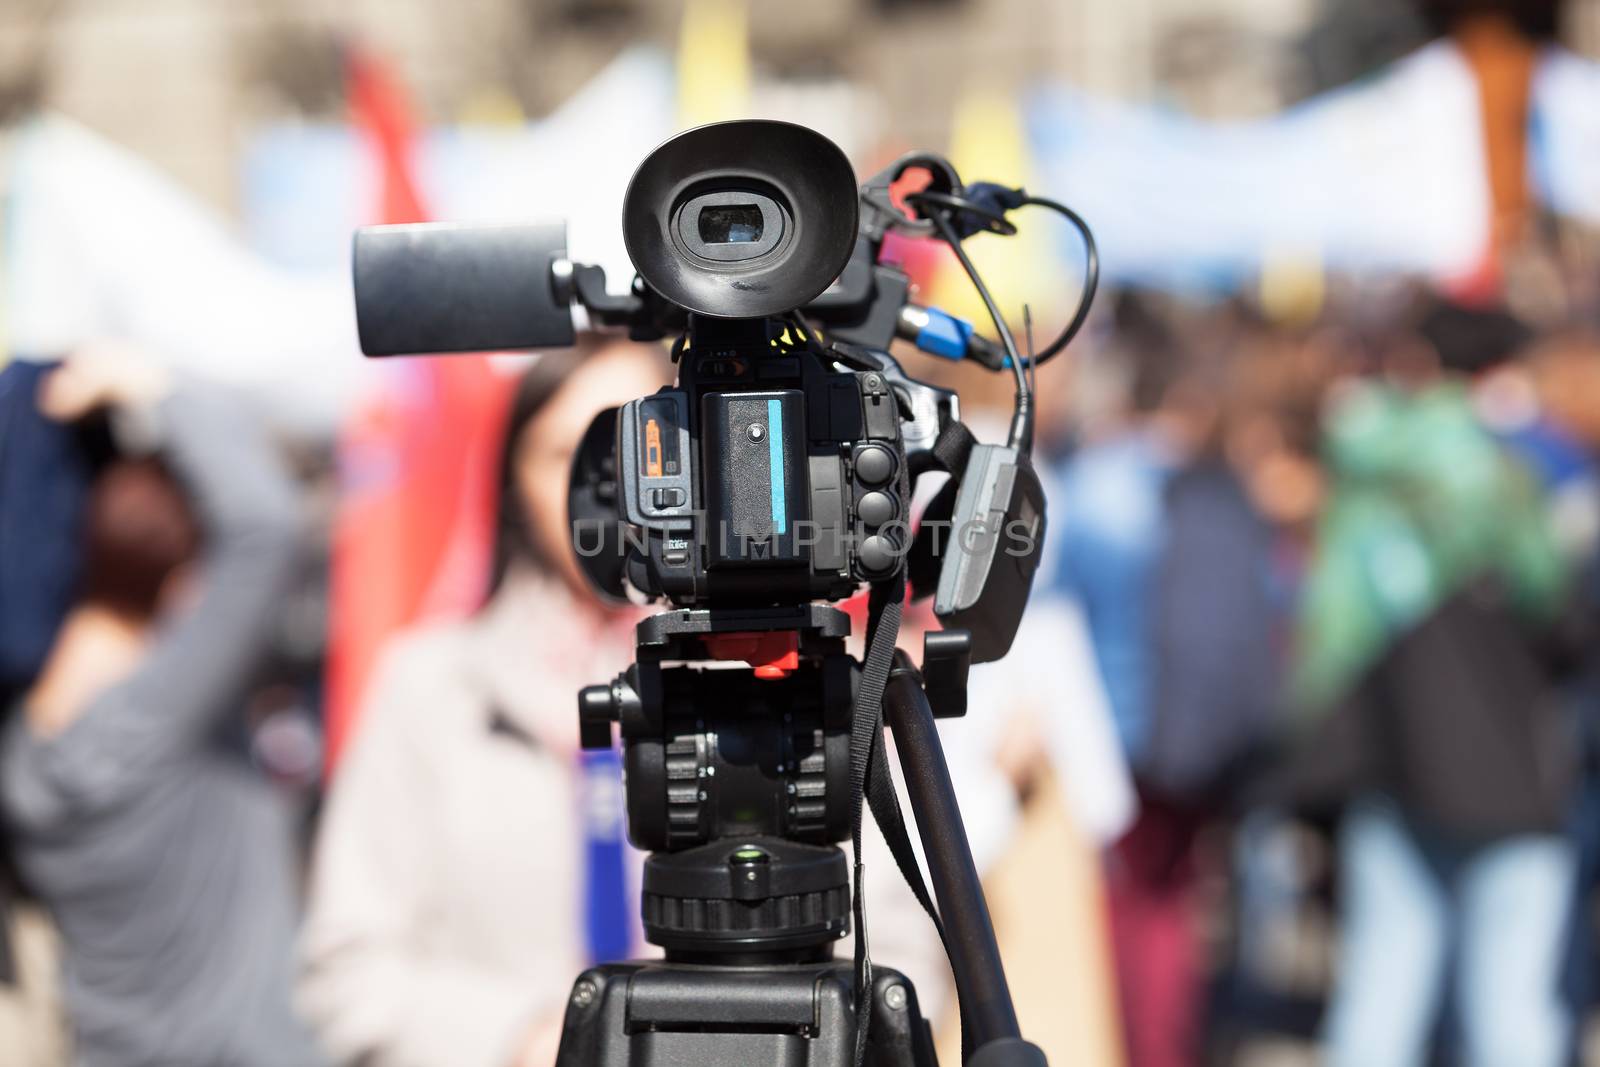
(754, 465)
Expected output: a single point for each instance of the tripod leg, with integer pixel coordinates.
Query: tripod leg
(974, 955)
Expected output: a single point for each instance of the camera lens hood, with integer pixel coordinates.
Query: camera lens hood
(741, 220)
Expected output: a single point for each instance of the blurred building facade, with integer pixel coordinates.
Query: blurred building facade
(182, 81)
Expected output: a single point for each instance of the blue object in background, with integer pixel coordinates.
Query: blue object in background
(608, 910)
(45, 471)
(1108, 545)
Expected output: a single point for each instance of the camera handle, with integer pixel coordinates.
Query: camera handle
(986, 1007)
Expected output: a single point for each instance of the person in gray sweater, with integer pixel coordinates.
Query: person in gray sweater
(165, 858)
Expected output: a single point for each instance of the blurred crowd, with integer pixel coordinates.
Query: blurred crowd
(1339, 578)
(1296, 759)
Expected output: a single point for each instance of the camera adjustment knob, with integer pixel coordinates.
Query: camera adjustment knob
(597, 710)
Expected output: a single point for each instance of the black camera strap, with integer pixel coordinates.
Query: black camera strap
(885, 602)
(952, 447)
(884, 803)
(871, 782)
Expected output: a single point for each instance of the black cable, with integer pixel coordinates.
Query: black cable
(993, 220)
(1091, 276)
(1033, 363)
(1021, 436)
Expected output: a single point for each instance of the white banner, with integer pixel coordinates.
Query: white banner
(1387, 174)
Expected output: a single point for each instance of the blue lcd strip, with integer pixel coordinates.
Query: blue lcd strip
(780, 506)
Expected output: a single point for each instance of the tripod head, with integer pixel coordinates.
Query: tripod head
(737, 779)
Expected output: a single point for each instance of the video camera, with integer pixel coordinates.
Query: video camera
(777, 472)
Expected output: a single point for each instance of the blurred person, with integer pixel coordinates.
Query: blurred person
(1546, 408)
(131, 808)
(1106, 546)
(1044, 788)
(46, 468)
(1243, 491)
(1210, 612)
(1163, 547)
(470, 860)
(1426, 683)
(1238, 514)
(1107, 528)
(1565, 372)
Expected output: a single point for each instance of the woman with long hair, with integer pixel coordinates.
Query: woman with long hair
(470, 862)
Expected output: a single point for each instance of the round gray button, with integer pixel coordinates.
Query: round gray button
(874, 465)
(878, 554)
(876, 508)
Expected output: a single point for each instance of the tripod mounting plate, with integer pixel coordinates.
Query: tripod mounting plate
(793, 1015)
(670, 627)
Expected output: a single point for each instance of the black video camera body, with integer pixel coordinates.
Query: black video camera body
(763, 478)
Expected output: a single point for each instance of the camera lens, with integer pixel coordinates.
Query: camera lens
(730, 224)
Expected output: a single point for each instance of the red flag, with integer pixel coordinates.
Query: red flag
(415, 524)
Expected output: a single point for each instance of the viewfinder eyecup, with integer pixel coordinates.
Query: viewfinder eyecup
(741, 220)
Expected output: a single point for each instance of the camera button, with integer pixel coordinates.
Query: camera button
(878, 554)
(874, 465)
(663, 499)
(876, 508)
